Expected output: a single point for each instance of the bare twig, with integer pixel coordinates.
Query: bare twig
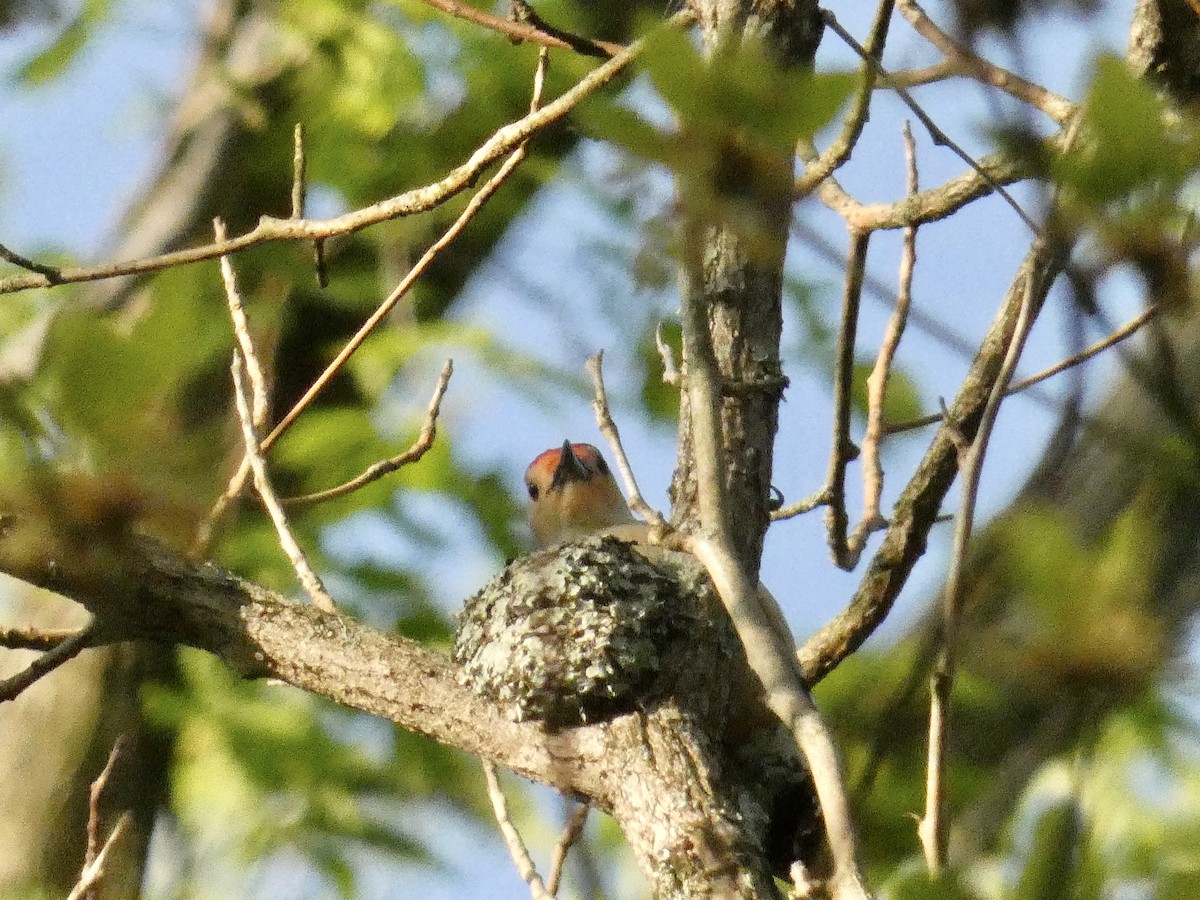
(819, 167)
(298, 167)
(1127, 330)
(808, 504)
(566, 841)
(94, 795)
(932, 827)
(877, 381)
(484, 194)
(608, 428)
(236, 484)
(1057, 107)
(917, 508)
(308, 578)
(241, 330)
(533, 29)
(836, 519)
(66, 649)
(939, 136)
(385, 467)
(516, 847)
(34, 638)
(409, 203)
(939, 71)
(670, 373)
(93, 872)
(50, 273)
(261, 411)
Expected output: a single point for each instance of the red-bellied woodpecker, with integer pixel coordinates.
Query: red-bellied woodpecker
(573, 495)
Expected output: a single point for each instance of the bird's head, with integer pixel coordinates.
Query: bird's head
(572, 494)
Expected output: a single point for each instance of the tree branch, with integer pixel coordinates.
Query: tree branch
(418, 200)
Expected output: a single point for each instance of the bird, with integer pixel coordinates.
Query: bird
(573, 495)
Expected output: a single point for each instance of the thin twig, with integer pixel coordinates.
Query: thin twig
(92, 873)
(535, 30)
(939, 71)
(612, 435)
(308, 578)
(63, 651)
(94, 796)
(939, 136)
(51, 273)
(570, 835)
(485, 193)
(299, 187)
(385, 467)
(670, 375)
(800, 507)
(236, 483)
(1127, 330)
(1057, 107)
(412, 202)
(932, 827)
(241, 330)
(516, 847)
(819, 167)
(836, 519)
(34, 638)
(877, 382)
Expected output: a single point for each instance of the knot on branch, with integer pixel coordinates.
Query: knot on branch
(575, 634)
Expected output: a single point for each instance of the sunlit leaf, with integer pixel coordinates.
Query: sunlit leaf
(62, 52)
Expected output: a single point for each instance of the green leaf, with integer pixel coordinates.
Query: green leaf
(901, 400)
(54, 60)
(1052, 867)
(1128, 139)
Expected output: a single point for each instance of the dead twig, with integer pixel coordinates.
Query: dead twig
(512, 839)
(484, 194)
(939, 136)
(308, 578)
(836, 519)
(877, 382)
(1127, 330)
(818, 167)
(932, 827)
(412, 202)
(530, 28)
(385, 467)
(90, 878)
(965, 61)
(94, 794)
(66, 649)
(570, 835)
(34, 638)
(608, 428)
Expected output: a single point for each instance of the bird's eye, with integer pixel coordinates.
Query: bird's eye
(601, 465)
(533, 490)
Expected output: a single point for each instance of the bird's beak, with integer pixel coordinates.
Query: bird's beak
(569, 468)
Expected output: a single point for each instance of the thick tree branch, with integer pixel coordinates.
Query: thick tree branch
(659, 772)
